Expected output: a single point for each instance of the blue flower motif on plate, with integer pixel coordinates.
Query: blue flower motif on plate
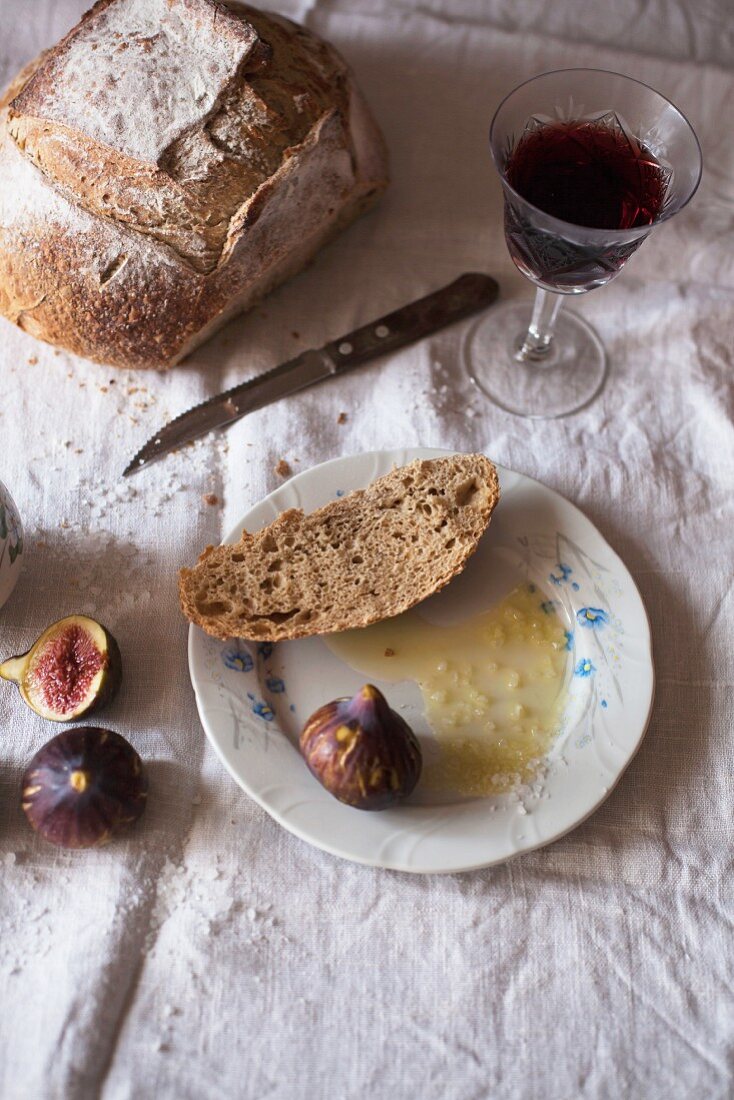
(262, 710)
(592, 617)
(564, 570)
(568, 635)
(237, 659)
(548, 606)
(584, 667)
(265, 649)
(275, 685)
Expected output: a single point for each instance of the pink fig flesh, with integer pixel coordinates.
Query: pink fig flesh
(65, 669)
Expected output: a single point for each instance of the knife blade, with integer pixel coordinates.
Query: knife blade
(466, 295)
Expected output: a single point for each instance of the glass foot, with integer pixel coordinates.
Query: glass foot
(568, 377)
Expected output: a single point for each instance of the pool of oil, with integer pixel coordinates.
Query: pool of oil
(492, 687)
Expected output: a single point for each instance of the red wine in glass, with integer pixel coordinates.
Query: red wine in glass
(589, 173)
(582, 189)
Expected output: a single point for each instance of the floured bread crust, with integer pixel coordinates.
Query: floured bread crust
(165, 166)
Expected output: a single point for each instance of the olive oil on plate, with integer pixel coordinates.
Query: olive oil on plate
(492, 687)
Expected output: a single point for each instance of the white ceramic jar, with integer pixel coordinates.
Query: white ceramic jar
(11, 544)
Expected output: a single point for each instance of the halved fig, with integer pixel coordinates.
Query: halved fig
(72, 669)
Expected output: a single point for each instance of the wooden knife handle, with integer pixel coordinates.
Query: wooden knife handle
(466, 295)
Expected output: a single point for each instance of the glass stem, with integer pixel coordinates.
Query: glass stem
(538, 340)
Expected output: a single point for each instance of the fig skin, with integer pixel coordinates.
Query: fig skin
(361, 751)
(103, 685)
(83, 786)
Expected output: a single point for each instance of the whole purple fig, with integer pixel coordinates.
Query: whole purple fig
(361, 751)
(82, 786)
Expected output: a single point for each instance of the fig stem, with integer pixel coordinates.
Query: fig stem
(13, 669)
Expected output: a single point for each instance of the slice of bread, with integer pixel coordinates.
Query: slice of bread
(364, 557)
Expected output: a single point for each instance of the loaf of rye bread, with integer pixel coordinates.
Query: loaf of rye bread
(361, 558)
(166, 165)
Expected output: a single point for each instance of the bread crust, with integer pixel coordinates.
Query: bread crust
(282, 155)
(361, 558)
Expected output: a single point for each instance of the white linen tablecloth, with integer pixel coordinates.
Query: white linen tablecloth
(211, 954)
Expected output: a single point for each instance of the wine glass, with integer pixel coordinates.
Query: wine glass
(590, 162)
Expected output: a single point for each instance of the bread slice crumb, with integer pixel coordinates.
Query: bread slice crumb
(363, 557)
(283, 468)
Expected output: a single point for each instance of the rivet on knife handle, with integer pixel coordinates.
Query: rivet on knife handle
(466, 295)
(451, 303)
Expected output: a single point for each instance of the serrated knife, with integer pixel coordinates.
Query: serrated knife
(466, 295)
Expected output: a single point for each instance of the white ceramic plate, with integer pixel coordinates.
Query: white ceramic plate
(254, 698)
